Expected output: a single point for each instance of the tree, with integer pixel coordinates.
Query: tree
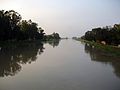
(9, 24)
(111, 35)
(31, 31)
(12, 27)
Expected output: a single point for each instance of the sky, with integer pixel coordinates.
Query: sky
(67, 17)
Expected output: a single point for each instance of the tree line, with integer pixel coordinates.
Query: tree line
(12, 27)
(109, 34)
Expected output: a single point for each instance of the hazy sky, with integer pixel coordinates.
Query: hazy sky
(67, 17)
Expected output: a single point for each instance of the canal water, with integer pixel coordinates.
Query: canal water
(57, 65)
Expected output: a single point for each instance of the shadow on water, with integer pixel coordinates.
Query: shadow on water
(104, 57)
(54, 42)
(13, 55)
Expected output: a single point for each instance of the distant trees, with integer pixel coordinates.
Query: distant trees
(12, 27)
(111, 35)
(76, 38)
(53, 36)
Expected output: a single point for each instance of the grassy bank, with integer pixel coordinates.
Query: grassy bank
(112, 50)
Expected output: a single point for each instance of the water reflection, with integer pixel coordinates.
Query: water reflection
(13, 55)
(54, 42)
(104, 57)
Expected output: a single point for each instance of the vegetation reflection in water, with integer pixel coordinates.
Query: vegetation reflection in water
(13, 55)
(104, 57)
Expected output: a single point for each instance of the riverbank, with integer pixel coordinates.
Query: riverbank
(111, 50)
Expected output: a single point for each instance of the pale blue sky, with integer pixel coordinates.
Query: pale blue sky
(67, 17)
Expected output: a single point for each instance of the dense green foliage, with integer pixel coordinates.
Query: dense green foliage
(110, 35)
(12, 27)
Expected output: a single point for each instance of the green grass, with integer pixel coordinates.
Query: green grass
(113, 50)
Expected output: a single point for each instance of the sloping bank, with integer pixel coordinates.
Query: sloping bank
(108, 50)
